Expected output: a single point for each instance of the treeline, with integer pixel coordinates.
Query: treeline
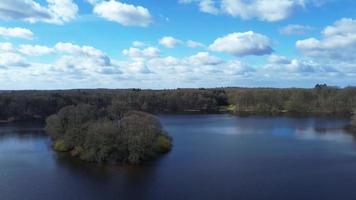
(322, 99)
(23, 105)
(107, 135)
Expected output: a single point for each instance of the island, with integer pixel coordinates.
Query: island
(107, 135)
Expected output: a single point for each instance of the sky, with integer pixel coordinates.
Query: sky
(161, 44)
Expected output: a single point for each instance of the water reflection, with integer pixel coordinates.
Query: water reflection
(214, 157)
(333, 135)
(320, 128)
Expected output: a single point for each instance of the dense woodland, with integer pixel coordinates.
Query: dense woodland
(24, 105)
(319, 100)
(107, 135)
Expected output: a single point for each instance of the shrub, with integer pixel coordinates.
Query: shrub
(60, 145)
(163, 144)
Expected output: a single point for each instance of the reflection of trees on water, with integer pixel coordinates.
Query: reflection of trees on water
(22, 130)
(128, 181)
(325, 128)
(308, 128)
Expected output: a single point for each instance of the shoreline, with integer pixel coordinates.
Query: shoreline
(233, 113)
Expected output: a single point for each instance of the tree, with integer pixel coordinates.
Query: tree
(141, 131)
(353, 119)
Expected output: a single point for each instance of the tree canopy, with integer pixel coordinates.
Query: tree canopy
(323, 99)
(88, 133)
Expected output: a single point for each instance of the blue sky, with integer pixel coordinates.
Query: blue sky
(61, 44)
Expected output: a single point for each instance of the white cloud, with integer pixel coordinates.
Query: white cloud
(35, 50)
(79, 65)
(149, 52)
(16, 32)
(138, 67)
(242, 44)
(62, 10)
(125, 14)
(237, 68)
(83, 60)
(338, 42)
(200, 64)
(281, 64)
(209, 6)
(204, 58)
(265, 10)
(6, 47)
(84, 65)
(57, 11)
(194, 44)
(78, 50)
(9, 59)
(169, 41)
(25, 49)
(275, 59)
(295, 29)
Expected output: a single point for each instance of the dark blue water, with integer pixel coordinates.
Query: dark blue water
(214, 157)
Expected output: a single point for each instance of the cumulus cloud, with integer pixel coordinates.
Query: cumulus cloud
(16, 32)
(295, 29)
(201, 64)
(207, 6)
(83, 60)
(122, 13)
(283, 64)
(6, 47)
(10, 59)
(82, 64)
(204, 58)
(149, 52)
(139, 67)
(242, 44)
(169, 42)
(74, 49)
(56, 11)
(277, 60)
(265, 10)
(35, 50)
(26, 49)
(338, 42)
(236, 67)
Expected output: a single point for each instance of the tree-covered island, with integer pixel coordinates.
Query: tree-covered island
(107, 135)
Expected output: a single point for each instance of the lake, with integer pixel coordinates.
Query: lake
(214, 157)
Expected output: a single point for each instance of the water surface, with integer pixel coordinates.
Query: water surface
(214, 157)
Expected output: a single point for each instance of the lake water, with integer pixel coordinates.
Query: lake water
(214, 157)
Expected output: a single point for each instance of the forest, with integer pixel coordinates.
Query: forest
(320, 100)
